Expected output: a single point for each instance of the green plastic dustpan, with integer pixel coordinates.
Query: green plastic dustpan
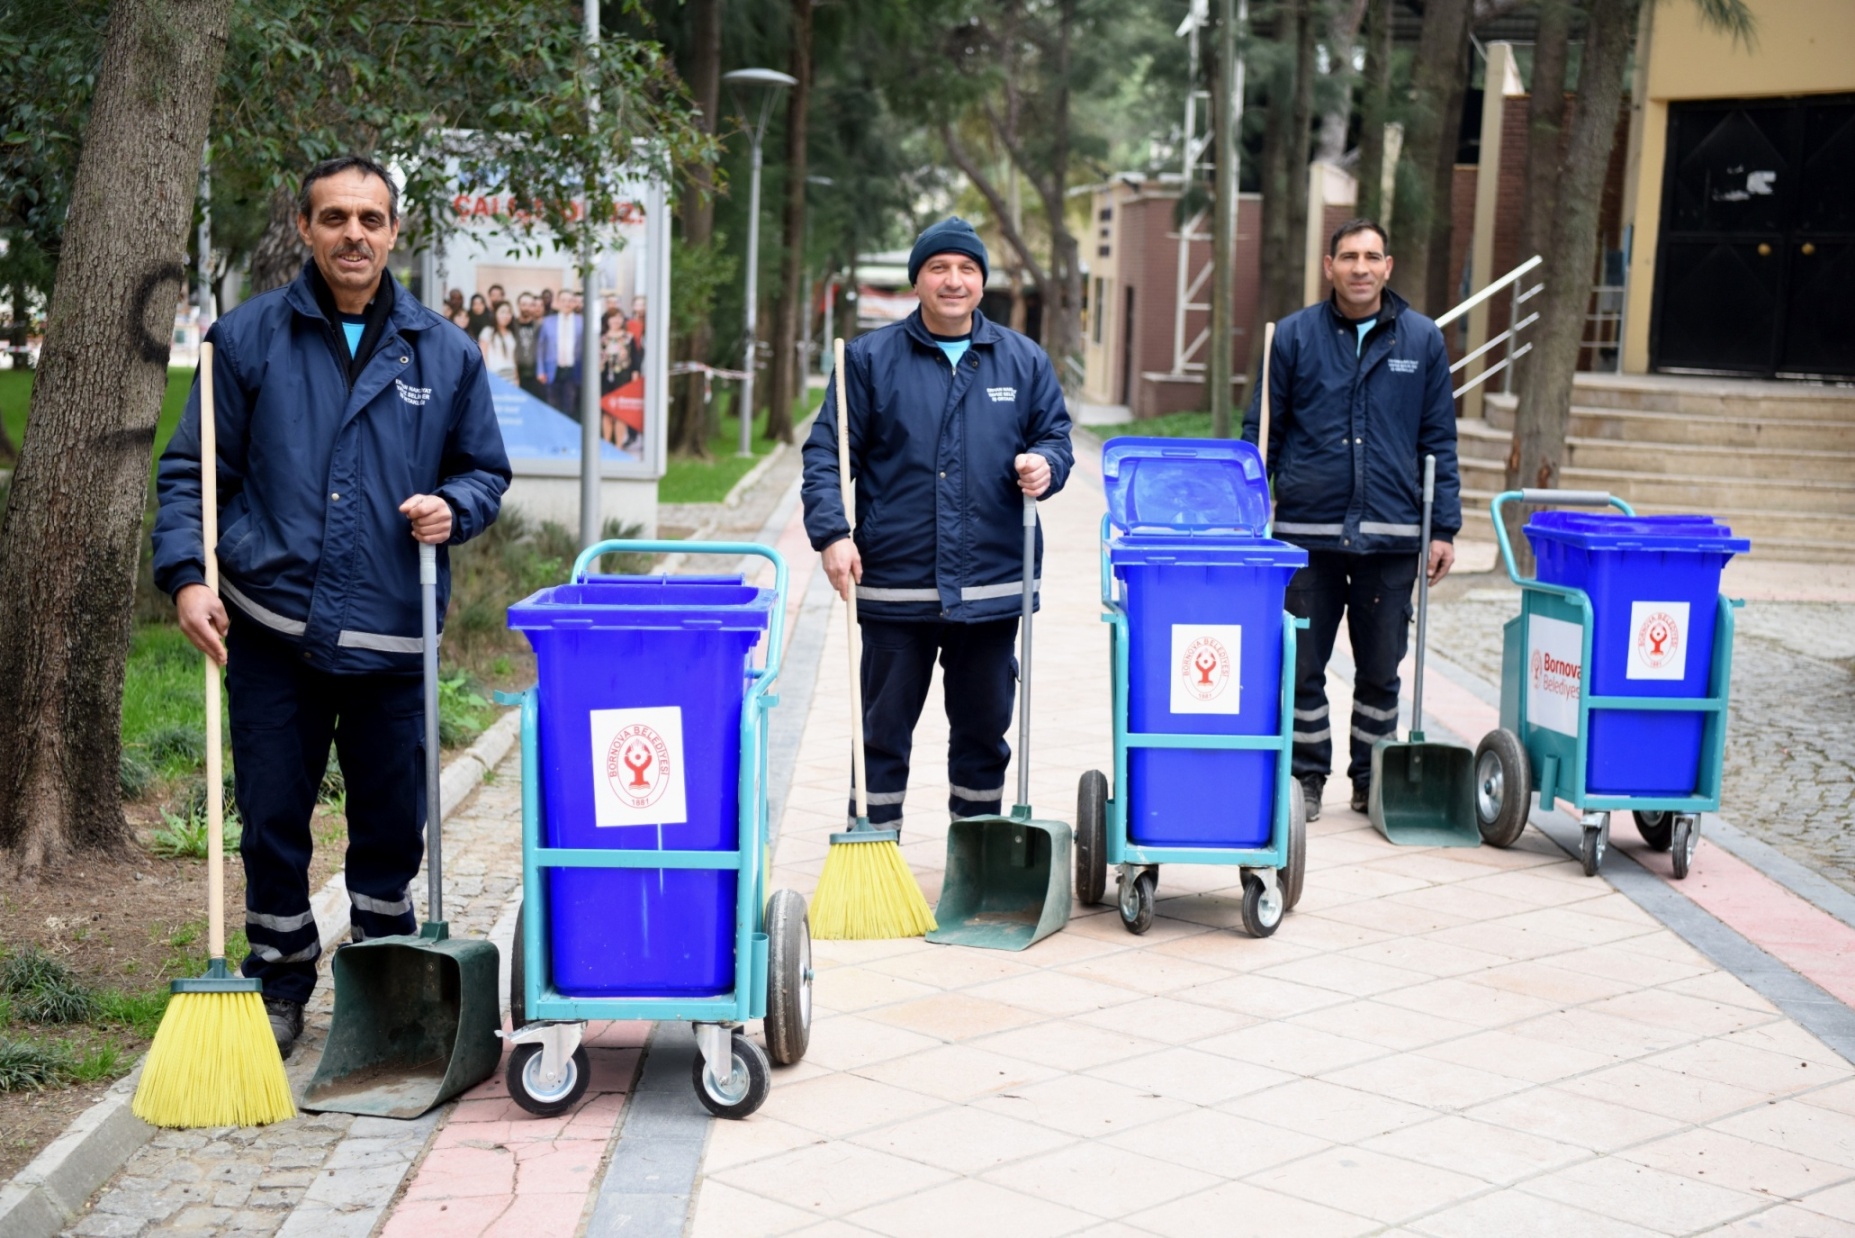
(1423, 793)
(416, 1018)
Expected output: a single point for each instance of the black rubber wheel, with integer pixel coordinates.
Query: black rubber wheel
(525, 1088)
(1091, 838)
(1683, 844)
(1591, 848)
(788, 1023)
(1137, 902)
(518, 972)
(1657, 829)
(746, 1087)
(1503, 788)
(1295, 873)
(1262, 908)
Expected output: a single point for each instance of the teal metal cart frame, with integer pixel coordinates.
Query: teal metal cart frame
(1274, 871)
(1555, 763)
(553, 1019)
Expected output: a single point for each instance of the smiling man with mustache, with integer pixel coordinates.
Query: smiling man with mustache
(353, 423)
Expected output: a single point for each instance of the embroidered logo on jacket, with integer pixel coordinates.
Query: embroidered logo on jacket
(1402, 365)
(413, 395)
(1002, 395)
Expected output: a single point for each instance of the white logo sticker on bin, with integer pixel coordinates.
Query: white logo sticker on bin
(1206, 658)
(638, 766)
(1555, 670)
(1658, 640)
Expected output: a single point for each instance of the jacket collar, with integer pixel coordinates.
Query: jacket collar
(985, 331)
(1390, 305)
(407, 314)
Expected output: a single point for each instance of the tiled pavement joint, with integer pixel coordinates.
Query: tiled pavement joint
(652, 1172)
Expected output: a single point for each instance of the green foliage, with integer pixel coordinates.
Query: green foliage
(43, 990)
(32, 1065)
(184, 836)
(691, 480)
(461, 708)
(181, 745)
(334, 785)
(701, 270)
(139, 1012)
(134, 774)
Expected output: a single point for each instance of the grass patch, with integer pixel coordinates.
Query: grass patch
(163, 702)
(16, 396)
(32, 1065)
(40, 989)
(1172, 425)
(184, 836)
(689, 480)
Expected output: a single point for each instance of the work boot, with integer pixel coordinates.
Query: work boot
(1310, 795)
(286, 1019)
(1362, 794)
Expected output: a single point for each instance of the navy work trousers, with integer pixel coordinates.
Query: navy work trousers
(1373, 592)
(284, 713)
(979, 677)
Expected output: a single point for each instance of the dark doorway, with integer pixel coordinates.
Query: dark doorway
(1758, 234)
(1127, 348)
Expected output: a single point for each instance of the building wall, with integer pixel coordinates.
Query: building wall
(1801, 47)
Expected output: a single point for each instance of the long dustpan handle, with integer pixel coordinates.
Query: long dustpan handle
(215, 758)
(1423, 594)
(1024, 657)
(850, 613)
(434, 795)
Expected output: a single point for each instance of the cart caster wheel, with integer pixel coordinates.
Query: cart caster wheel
(1685, 841)
(1292, 876)
(531, 1092)
(1262, 907)
(745, 1088)
(518, 974)
(1656, 829)
(1503, 788)
(1137, 902)
(1591, 848)
(1091, 838)
(788, 1023)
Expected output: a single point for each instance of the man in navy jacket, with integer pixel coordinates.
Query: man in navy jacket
(952, 420)
(353, 423)
(1359, 394)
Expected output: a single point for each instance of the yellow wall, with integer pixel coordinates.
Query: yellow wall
(1801, 47)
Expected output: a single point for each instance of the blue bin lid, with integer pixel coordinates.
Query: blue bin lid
(1137, 551)
(1195, 487)
(710, 603)
(1616, 531)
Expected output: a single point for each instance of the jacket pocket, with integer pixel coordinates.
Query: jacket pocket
(866, 527)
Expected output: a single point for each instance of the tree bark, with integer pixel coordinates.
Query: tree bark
(1342, 34)
(689, 415)
(787, 375)
(1375, 112)
(69, 544)
(1285, 177)
(1546, 401)
(1545, 126)
(279, 255)
(1430, 145)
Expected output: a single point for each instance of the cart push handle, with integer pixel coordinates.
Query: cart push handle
(1545, 498)
(776, 641)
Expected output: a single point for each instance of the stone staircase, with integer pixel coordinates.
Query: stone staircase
(1776, 461)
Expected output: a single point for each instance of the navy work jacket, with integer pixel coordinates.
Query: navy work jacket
(1349, 427)
(940, 518)
(312, 472)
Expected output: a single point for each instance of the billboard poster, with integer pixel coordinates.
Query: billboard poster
(520, 299)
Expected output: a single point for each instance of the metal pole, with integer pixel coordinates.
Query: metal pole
(434, 807)
(204, 241)
(753, 281)
(1224, 233)
(830, 322)
(592, 521)
(1024, 656)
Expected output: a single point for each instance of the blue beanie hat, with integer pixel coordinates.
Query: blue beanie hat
(949, 236)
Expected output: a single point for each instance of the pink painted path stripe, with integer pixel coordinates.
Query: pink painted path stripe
(1810, 941)
(496, 1171)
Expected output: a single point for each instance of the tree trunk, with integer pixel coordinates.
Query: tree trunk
(1546, 401)
(787, 375)
(689, 415)
(1375, 111)
(279, 255)
(72, 531)
(1545, 126)
(1285, 178)
(1342, 34)
(1430, 145)
(1062, 314)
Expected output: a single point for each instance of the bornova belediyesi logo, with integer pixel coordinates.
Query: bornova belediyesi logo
(1555, 676)
(1002, 395)
(1205, 668)
(637, 764)
(1658, 639)
(414, 396)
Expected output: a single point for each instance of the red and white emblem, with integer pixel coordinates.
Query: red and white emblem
(1206, 668)
(638, 769)
(1206, 663)
(638, 765)
(1658, 640)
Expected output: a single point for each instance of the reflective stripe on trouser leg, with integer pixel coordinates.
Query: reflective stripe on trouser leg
(980, 681)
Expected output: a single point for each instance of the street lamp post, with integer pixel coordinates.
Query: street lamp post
(746, 84)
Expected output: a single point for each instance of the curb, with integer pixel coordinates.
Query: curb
(50, 1192)
(752, 476)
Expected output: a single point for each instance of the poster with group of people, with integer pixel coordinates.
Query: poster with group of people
(526, 311)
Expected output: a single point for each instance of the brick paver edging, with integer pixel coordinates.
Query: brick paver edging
(50, 1192)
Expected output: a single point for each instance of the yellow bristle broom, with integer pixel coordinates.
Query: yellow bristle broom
(214, 1061)
(866, 892)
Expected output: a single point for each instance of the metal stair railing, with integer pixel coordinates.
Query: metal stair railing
(1520, 295)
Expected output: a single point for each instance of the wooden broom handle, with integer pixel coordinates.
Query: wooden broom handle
(850, 612)
(1262, 429)
(215, 760)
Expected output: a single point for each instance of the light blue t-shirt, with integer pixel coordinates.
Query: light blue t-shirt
(353, 329)
(955, 349)
(1364, 328)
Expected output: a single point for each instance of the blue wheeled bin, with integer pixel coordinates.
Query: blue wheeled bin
(1203, 668)
(645, 830)
(1614, 676)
